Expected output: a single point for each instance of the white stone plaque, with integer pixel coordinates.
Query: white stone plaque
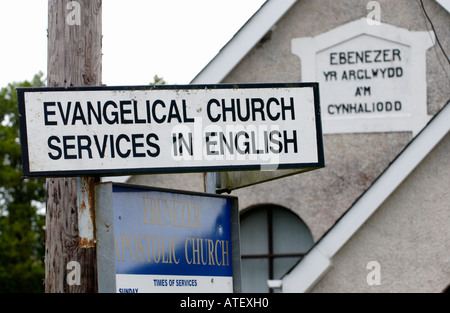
(372, 78)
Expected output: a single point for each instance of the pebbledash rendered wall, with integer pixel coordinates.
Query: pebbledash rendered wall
(407, 237)
(353, 160)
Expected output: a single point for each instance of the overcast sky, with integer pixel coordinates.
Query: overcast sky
(174, 39)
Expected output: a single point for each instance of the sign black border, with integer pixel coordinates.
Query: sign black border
(192, 169)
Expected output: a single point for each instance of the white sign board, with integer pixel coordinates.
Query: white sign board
(144, 129)
(372, 77)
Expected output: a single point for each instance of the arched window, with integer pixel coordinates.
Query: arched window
(273, 239)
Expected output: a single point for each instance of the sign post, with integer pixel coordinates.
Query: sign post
(159, 240)
(74, 58)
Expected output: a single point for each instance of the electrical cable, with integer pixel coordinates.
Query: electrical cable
(434, 30)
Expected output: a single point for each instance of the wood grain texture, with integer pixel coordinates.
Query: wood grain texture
(74, 59)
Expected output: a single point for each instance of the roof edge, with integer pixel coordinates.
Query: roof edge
(445, 4)
(307, 272)
(243, 41)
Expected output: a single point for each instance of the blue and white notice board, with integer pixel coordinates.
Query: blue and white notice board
(153, 240)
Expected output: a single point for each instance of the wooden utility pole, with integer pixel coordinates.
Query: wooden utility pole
(74, 59)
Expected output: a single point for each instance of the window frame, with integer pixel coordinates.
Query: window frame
(270, 256)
